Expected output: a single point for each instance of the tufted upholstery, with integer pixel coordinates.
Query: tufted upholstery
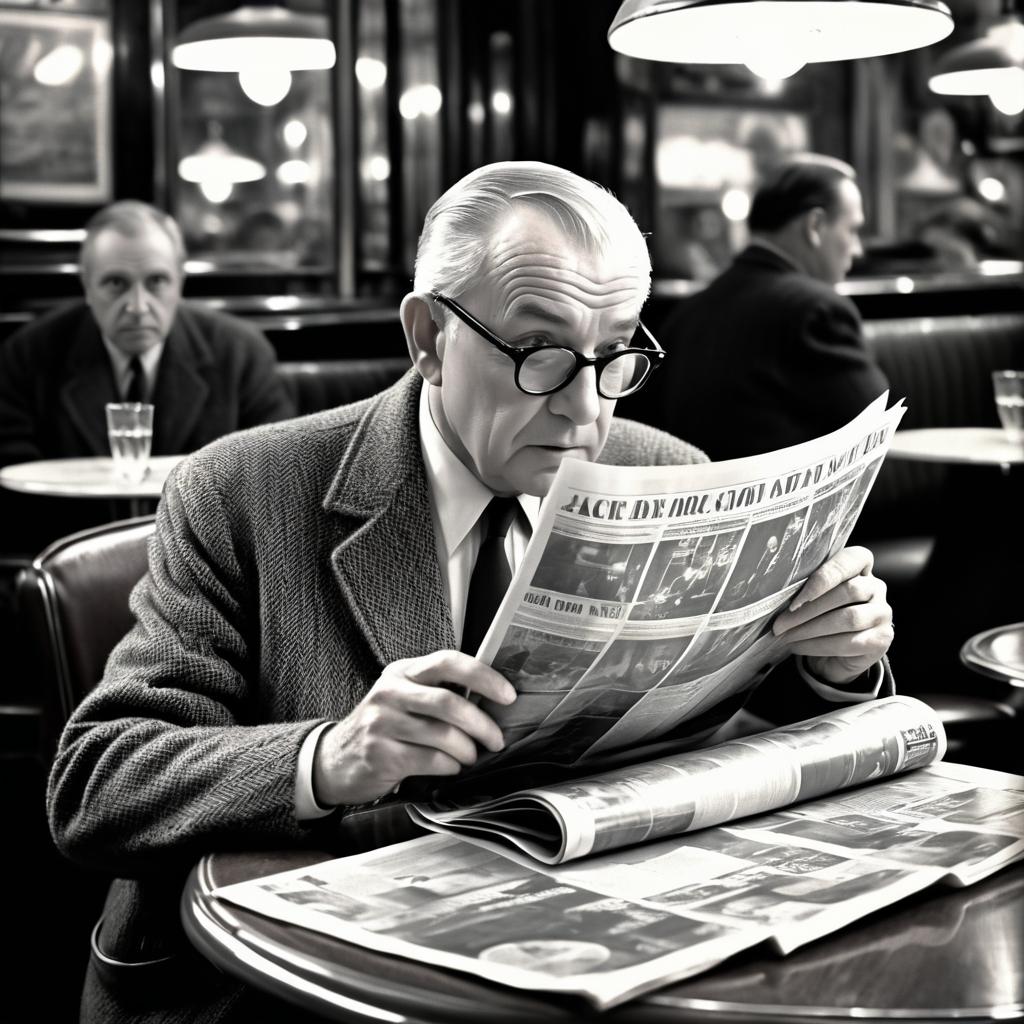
(943, 367)
(74, 603)
(327, 383)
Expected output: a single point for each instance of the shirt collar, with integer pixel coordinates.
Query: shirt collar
(763, 243)
(458, 496)
(119, 360)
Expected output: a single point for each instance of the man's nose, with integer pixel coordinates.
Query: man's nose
(579, 399)
(135, 301)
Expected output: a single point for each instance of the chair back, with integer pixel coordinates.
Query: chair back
(73, 600)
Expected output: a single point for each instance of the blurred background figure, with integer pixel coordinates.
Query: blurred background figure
(769, 355)
(131, 338)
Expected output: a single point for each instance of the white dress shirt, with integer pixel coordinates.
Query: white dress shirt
(120, 363)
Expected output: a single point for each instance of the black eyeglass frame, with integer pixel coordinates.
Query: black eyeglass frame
(519, 355)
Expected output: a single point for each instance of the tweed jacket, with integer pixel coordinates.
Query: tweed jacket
(763, 358)
(290, 564)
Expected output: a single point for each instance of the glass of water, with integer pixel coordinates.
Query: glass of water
(130, 430)
(1008, 386)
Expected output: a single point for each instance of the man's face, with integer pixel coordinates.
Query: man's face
(540, 288)
(839, 236)
(133, 287)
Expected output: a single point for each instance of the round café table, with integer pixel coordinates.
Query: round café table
(998, 653)
(88, 477)
(987, 446)
(940, 956)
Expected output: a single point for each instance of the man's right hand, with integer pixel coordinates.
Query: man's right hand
(410, 723)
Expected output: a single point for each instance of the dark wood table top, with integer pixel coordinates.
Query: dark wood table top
(943, 955)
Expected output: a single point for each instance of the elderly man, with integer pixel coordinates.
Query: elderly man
(768, 354)
(132, 339)
(296, 654)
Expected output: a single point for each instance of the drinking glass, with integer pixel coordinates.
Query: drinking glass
(130, 430)
(1008, 386)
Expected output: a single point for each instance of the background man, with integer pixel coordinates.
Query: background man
(132, 338)
(310, 583)
(769, 355)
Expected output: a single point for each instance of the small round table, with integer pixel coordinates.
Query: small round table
(88, 477)
(987, 446)
(997, 652)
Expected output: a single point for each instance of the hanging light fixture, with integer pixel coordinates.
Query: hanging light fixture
(263, 45)
(992, 66)
(775, 38)
(216, 168)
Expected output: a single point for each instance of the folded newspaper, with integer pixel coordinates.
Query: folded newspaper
(644, 600)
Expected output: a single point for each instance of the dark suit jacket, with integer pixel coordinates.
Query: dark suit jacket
(763, 358)
(216, 375)
(291, 563)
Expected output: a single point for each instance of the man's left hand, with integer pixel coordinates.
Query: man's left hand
(840, 620)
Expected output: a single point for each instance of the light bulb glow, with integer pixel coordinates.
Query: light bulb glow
(265, 86)
(735, 204)
(1007, 95)
(378, 168)
(774, 67)
(59, 66)
(294, 172)
(501, 102)
(370, 72)
(419, 100)
(294, 133)
(216, 190)
(992, 189)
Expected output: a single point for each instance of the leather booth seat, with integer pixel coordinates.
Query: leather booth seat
(324, 384)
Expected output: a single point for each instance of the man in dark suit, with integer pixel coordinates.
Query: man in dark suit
(312, 585)
(768, 354)
(131, 339)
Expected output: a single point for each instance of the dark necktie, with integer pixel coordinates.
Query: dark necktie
(136, 381)
(491, 574)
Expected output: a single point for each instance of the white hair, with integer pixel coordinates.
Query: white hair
(130, 217)
(455, 244)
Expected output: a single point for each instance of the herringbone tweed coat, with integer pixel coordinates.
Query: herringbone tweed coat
(290, 564)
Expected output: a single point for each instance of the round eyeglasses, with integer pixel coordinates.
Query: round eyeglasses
(544, 369)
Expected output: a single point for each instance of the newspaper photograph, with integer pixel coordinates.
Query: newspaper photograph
(614, 925)
(647, 594)
(685, 792)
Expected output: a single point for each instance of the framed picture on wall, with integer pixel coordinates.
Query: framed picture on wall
(55, 125)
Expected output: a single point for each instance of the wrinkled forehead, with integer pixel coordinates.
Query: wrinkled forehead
(532, 255)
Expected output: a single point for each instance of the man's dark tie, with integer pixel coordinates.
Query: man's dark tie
(491, 574)
(136, 381)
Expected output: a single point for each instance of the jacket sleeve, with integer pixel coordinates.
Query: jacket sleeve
(164, 760)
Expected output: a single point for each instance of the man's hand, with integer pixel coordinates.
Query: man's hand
(410, 723)
(840, 620)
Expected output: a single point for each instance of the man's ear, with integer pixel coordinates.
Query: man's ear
(424, 337)
(814, 220)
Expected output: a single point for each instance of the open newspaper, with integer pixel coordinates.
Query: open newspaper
(645, 599)
(614, 925)
(647, 594)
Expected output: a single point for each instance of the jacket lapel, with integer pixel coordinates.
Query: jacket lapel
(89, 386)
(387, 567)
(181, 390)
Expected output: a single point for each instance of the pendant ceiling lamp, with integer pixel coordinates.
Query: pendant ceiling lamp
(775, 38)
(992, 66)
(216, 168)
(253, 39)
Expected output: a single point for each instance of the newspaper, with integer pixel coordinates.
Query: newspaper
(642, 802)
(618, 924)
(646, 595)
